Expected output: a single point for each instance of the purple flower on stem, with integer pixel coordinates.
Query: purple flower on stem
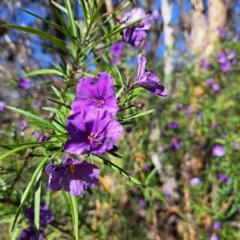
(117, 49)
(30, 234)
(221, 31)
(214, 237)
(195, 181)
(214, 125)
(97, 93)
(215, 87)
(189, 112)
(46, 215)
(204, 64)
(24, 83)
(217, 225)
(2, 106)
(147, 80)
(225, 66)
(221, 58)
(135, 34)
(92, 131)
(22, 125)
(230, 54)
(209, 81)
(173, 125)
(218, 151)
(74, 176)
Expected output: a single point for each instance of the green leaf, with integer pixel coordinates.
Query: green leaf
(59, 7)
(29, 188)
(117, 168)
(44, 71)
(74, 211)
(71, 18)
(57, 111)
(5, 154)
(60, 103)
(127, 118)
(88, 74)
(37, 199)
(32, 116)
(56, 26)
(58, 42)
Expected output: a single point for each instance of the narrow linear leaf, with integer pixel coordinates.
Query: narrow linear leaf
(71, 18)
(60, 103)
(4, 155)
(58, 42)
(37, 199)
(29, 188)
(118, 169)
(74, 211)
(59, 7)
(44, 71)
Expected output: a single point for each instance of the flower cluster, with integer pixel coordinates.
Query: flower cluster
(46, 216)
(226, 59)
(92, 130)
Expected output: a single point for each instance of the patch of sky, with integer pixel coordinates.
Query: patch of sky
(176, 11)
(187, 6)
(180, 43)
(132, 62)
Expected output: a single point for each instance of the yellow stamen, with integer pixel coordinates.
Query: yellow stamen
(73, 168)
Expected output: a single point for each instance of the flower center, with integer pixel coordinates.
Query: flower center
(73, 168)
(99, 102)
(93, 137)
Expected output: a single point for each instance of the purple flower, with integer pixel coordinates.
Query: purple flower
(214, 125)
(117, 49)
(218, 151)
(175, 144)
(166, 193)
(147, 80)
(221, 58)
(46, 215)
(222, 176)
(217, 225)
(154, 15)
(215, 87)
(204, 64)
(24, 83)
(135, 34)
(2, 106)
(214, 237)
(225, 66)
(221, 31)
(97, 93)
(142, 203)
(189, 112)
(195, 181)
(22, 125)
(146, 167)
(236, 38)
(173, 125)
(30, 234)
(92, 131)
(37, 104)
(235, 145)
(180, 107)
(230, 54)
(209, 81)
(44, 139)
(74, 176)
